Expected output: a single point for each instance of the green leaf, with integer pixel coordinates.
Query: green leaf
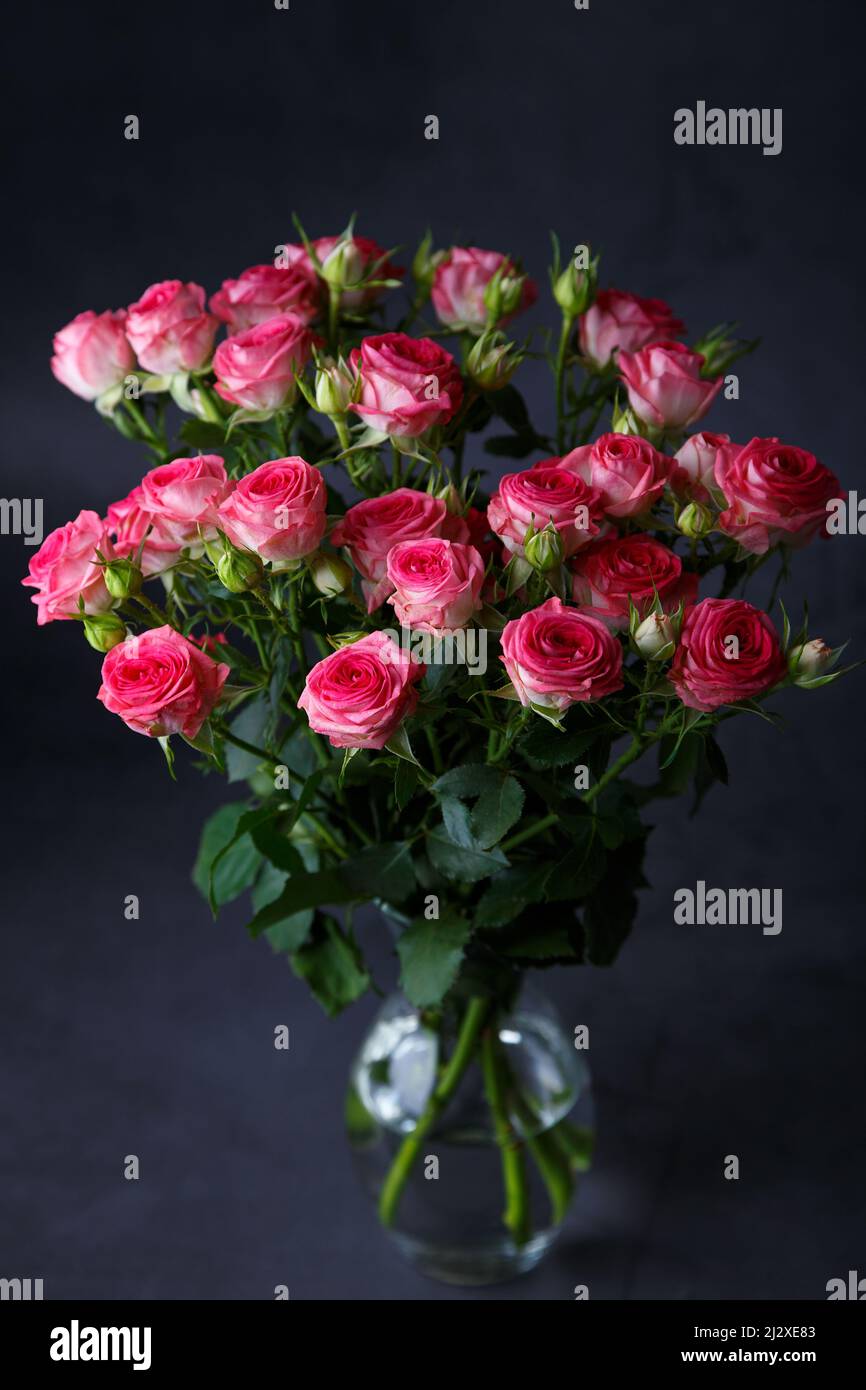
(250, 725)
(545, 746)
(400, 746)
(405, 784)
(332, 966)
(383, 871)
(430, 955)
(497, 809)
(462, 864)
(548, 943)
(291, 933)
(467, 780)
(237, 867)
(203, 434)
(610, 910)
(510, 893)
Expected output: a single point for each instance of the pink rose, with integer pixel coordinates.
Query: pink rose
(408, 385)
(160, 683)
(625, 321)
(130, 523)
(609, 573)
(65, 568)
(556, 656)
(359, 696)
(371, 529)
(277, 511)
(265, 291)
(186, 494)
(545, 493)
(437, 583)
(665, 387)
(728, 651)
(695, 465)
(359, 260)
(624, 469)
(776, 494)
(258, 369)
(170, 329)
(92, 354)
(459, 283)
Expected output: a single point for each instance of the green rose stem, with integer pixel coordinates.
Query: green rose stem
(155, 612)
(564, 337)
(398, 1176)
(136, 414)
(517, 1215)
(637, 746)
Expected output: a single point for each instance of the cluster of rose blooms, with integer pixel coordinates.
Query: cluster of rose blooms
(579, 521)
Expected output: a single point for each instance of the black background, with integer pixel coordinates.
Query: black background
(156, 1038)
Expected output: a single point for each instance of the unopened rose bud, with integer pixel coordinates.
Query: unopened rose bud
(335, 387)
(238, 570)
(809, 660)
(695, 520)
(543, 549)
(424, 263)
(122, 578)
(574, 288)
(104, 630)
(624, 421)
(655, 637)
(452, 499)
(492, 361)
(330, 574)
(343, 265)
(503, 293)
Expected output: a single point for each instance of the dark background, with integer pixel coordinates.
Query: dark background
(156, 1037)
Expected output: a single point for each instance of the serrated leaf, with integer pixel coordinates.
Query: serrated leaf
(223, 882)
(430, 954)
(462, 864)
(498, 808)
(332, 966)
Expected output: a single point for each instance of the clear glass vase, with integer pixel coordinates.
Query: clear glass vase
(470, 1127)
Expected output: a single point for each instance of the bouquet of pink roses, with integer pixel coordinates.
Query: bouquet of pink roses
(427, 691)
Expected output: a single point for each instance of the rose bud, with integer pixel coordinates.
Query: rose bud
(350, 261)
(556, 656)
(122, 579)
(238, 570)
(160, 683)
(655, 638)
(92, 353)
(473, 289)
(104, 630)
(169, 328)
(424, 264)
(359, 695)
(492, 361)
(335, 386)
(618, 320)
(696, 520)
(574, 288)
(809, 660)
(543, 549)
(331, 575)
(665, 385)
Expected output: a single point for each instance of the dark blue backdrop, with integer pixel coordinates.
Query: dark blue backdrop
(156, 1037)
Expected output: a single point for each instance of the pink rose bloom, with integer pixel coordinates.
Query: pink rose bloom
(609, 573)
(130, 522)
(277, 511)
(258, 369)
(65, 568)
(186, 494)
(665, 386)
(695, 466)
(359, 696)
(459, 283)
(170, 329)
(776, 494)
(543, 494)
(263, 292)
(625, 321)
(437, 584)
(709, 669)
(556, 656)
(358, 263)
(161, 683)
(624, 469)
(371, 529)
(92, 353)
(408, 385)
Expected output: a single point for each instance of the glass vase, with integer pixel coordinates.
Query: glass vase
(470, 1126)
